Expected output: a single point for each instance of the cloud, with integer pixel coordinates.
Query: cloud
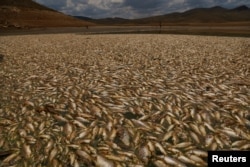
(133, 8)
(143, 4)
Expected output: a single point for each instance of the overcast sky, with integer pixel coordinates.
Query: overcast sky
(133, 8)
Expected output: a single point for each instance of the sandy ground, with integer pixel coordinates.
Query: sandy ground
(110, 100)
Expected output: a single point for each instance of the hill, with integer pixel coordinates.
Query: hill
(29, 14)
(198, 16)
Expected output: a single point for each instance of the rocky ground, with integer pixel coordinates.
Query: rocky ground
(122, 100)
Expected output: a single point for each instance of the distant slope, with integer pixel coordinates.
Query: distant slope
(29, 14)
(199, 16)
(207, 15)
(24, 4)
(105, 21)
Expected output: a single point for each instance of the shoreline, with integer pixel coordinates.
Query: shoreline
(238, 31)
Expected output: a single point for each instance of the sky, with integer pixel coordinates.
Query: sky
(132, 9)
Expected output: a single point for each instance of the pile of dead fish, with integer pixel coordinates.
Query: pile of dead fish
(114, 113)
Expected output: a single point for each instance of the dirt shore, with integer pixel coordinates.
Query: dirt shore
(243, 31)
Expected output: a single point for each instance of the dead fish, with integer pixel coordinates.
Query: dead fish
(203, 130)
(199, 153)
(30, 139)
(27, 151)
(74, 146)
(195, 137)
(198, 160)
(160, 148)
(95, 131)
(30, 127)
(84, 155)
(83, 120)
(97, 111)
(113, 145)
(104, 134)
(214, 146)
(143, 153)
(52, 154)
(195, 128)
(10, 158)
(151, 146)
(160, 163)
(76, 163)
(185, 159)
(120, 158)
(3, 154)
(239, 143)
(230, 133)
(113, 134)
(49, 146)
(22, 132)
(50, 108)
(124, 136)
(126, 153)
(82, 134)
(217, 115)
(68, 129)
(140, 124)
(103, 162)
(174, 150)
(209, 127)
(172, 161)
(78, 124)
(218, 141)
(182, 145)
(245, 147)
(59, 118)
(209, 140)
(137, 138)
(167, 136)
(72, 158)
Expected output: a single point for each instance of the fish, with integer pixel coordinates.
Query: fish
(172, 161)
(104, 162)
(27, 151)
(52, 154)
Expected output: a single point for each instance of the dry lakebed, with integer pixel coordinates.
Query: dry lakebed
(122, 100)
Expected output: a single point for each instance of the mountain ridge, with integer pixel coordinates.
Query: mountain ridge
(24, 4)
(216, 14)
(29, 14)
